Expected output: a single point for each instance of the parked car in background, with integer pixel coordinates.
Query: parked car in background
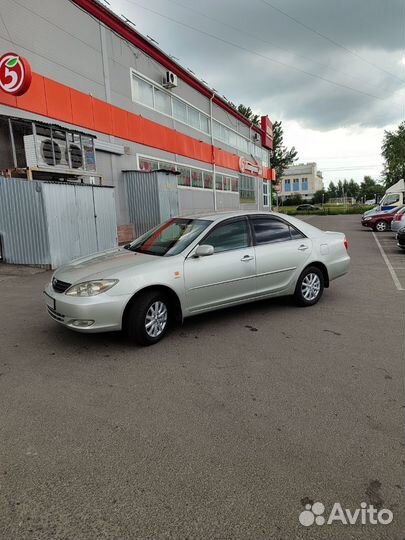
(398, 221)
(190, 265)
(307, 208)
(380, 221)
(401, 238)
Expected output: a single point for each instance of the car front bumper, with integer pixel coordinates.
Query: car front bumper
(101, 313)
(367, 223)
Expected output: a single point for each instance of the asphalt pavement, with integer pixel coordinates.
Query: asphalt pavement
(226, 429)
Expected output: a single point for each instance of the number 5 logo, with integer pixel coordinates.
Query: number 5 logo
(15, 74)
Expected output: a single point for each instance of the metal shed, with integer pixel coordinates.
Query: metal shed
(50, 223)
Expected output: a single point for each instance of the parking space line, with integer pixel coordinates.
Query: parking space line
(389, 265)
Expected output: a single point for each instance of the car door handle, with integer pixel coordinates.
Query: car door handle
(247, 258)
(303, 247)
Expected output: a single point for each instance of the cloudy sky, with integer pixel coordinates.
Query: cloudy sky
(332, 70)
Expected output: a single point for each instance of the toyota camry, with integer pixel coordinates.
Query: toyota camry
(194, 264)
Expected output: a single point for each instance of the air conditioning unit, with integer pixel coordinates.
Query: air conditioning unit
(57, 154)
(169, 80)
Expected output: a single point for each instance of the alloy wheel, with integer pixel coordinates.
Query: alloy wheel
(156, 319)
(310, 286)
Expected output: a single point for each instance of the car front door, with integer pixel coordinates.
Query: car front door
(229, 274)
(281, 253)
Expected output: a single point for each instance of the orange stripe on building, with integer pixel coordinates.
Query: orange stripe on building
(64, 104)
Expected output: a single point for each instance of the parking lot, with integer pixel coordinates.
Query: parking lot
(225, 429)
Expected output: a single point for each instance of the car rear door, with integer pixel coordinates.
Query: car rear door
(281, 253)
(226, 276)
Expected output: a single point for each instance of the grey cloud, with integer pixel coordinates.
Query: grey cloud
(372, 28)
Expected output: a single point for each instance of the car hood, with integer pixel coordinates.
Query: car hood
(107, 264)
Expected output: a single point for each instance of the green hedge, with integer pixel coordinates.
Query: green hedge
(326, 211)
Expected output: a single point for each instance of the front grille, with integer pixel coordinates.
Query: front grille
(55, 315)
(60, 286)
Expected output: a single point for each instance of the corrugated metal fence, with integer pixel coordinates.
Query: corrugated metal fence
(50, 223)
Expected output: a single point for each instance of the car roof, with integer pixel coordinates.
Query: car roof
(220, 216)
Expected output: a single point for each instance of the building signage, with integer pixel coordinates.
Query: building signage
(250, 167)
(15, 74)
(267, 132)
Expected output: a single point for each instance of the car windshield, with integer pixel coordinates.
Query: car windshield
(171, 238)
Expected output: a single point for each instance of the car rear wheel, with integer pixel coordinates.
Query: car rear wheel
(381, 226)
(309, 286)
(147, 320)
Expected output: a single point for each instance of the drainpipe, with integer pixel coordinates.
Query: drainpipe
(212, 146)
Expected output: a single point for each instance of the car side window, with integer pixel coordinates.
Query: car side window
(234, 235)
(270, 230)
(296, 234)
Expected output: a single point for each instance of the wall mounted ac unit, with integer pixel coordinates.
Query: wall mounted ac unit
(57, 154)
(169, 80)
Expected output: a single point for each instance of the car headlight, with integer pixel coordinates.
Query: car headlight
(91, 288)
(367, 218)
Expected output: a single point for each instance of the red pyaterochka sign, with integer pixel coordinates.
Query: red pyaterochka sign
(15, 74)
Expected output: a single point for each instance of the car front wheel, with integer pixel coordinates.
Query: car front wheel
(381, 226)
(309, 286)
(147, 319)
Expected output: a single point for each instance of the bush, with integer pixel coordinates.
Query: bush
(326, 211)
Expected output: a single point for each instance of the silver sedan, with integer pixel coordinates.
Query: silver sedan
(398, 221)
(194, 264)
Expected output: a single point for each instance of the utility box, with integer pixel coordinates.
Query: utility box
(152, 198)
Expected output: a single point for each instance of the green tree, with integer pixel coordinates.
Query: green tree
(281, 157)
(293, 200)
(249, 114)
(393, 152)
(332, 191)
(369, 188)
(353, 189)
(320, 197)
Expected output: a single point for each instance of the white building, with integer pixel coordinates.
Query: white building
(303, 179)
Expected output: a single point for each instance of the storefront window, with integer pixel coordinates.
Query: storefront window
(196, 178)
(208, 180)
(167, 166)
(184, 177)
(218, 182)
(265, 193)
(227, 183)
(247, 190)
(235, 184)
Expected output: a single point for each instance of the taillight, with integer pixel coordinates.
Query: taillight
(346, 243)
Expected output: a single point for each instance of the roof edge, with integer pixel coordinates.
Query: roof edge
(115, 23)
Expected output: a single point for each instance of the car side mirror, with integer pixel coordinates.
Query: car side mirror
(204, 250)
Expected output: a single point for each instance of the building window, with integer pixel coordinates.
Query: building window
(196, 178)
(208, 180)
(218, 182)
(143, 91)
(287, 185)
(296, 184)
(179, 110)
(191, 176)
(183, 179)
(304, 184)
(153, 96)
(247, 190)
(162, 102)
(265, 193)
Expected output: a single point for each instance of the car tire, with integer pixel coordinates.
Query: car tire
(309, 288)
(381, 226)
(147, 319)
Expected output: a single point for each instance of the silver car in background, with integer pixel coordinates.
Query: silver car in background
(398, 221)
(190, 265)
